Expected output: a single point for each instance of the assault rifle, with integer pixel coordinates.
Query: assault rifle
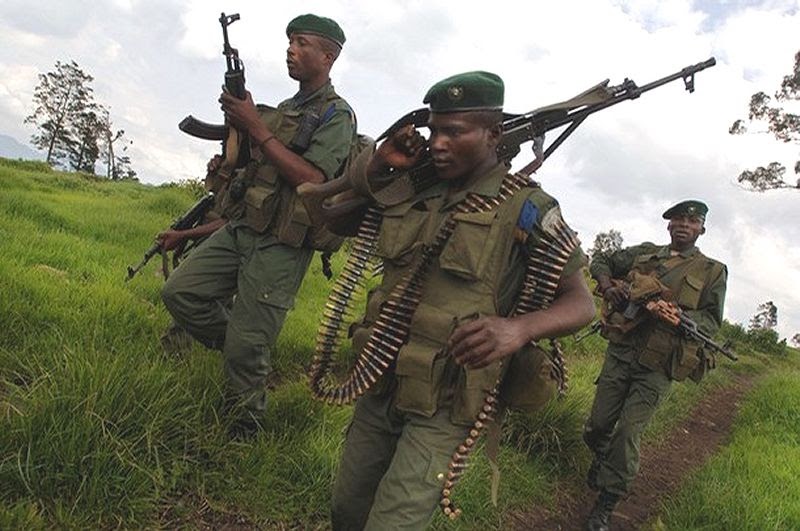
(338, 199)
(191, 218)
(232, 140)
(672, 315)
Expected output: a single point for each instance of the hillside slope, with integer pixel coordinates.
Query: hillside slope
(100, 428)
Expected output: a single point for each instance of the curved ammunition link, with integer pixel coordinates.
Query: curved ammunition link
(542, 272)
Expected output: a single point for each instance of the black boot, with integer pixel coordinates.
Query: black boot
(601, 512)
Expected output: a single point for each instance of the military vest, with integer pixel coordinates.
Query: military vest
(658, 344)
(269, 203)
(462, 284)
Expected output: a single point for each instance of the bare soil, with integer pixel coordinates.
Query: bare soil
(663, 468)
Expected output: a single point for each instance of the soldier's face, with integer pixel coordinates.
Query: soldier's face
(684, 229)
(305, 57)
(459, 146)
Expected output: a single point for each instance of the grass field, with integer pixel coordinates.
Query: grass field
(100, 429)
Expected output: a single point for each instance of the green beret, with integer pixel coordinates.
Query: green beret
(690, 207)
(322, 26)
(470, 91)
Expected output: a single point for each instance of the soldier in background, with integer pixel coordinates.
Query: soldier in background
(264, 250)
(175, 339)
(643, 358)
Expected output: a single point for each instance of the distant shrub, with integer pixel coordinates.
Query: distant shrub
(764, 340)
(195, 186)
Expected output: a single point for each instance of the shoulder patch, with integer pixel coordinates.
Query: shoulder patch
(527, 216)
(552, 218)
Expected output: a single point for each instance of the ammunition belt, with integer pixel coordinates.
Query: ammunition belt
(392, 327)
(542, 272)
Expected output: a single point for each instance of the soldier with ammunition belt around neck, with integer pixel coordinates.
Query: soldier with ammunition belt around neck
(463, 334)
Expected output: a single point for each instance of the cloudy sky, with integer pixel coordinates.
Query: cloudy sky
(154, 62)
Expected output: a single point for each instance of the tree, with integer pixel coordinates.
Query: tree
(62, 100)
(766, 318)
(118, 166)
(84, 148)
(796, 340)
(606, 243)
(785, 126)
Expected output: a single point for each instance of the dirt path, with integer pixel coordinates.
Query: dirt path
(663, 468)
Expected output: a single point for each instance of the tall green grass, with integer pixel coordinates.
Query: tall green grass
(99, 428)
(754, 483)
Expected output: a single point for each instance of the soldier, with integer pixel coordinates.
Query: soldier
(175, 338)
(644, 355)
(263, 252)
(404, 432)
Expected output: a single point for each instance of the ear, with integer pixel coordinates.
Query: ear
(495, 134)
(703, 229)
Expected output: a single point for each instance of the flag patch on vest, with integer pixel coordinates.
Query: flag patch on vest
(526, 221)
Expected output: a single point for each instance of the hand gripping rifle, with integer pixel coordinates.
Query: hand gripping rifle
(672, 315)
(189, 219)
(232, 140)
(339, 198)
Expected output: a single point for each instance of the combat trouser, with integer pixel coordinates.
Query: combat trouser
(265, 276)
(627, 395)
(393, 466)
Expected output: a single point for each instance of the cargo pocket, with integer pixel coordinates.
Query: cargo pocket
(294, 222)
(276, 298)
(468, 250)
(471, 390)
(259, 203)
(658, 350)
(687, 360)
(419, 370)
(400, 233)
(529, 383)
(689, 296)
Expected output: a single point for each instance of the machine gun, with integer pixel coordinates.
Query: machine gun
(235, 152)
(189, 219)
(329, 202)
(674, 316)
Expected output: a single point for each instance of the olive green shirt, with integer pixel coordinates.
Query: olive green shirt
(708, 314)
(331, 140)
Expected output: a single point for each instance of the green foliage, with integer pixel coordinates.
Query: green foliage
(764, 340)
(195, 187)
(751, 484)
(100, 429)
(781, 123)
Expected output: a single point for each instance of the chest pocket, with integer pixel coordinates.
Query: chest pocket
(645, 263)
(401, 232)
(691, 288)
(468, 250)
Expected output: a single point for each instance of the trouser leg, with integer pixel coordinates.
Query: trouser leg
(410, 490)
(196, 293)
(269, 277)
(621, 462)
(369, 446)
(612, 388)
